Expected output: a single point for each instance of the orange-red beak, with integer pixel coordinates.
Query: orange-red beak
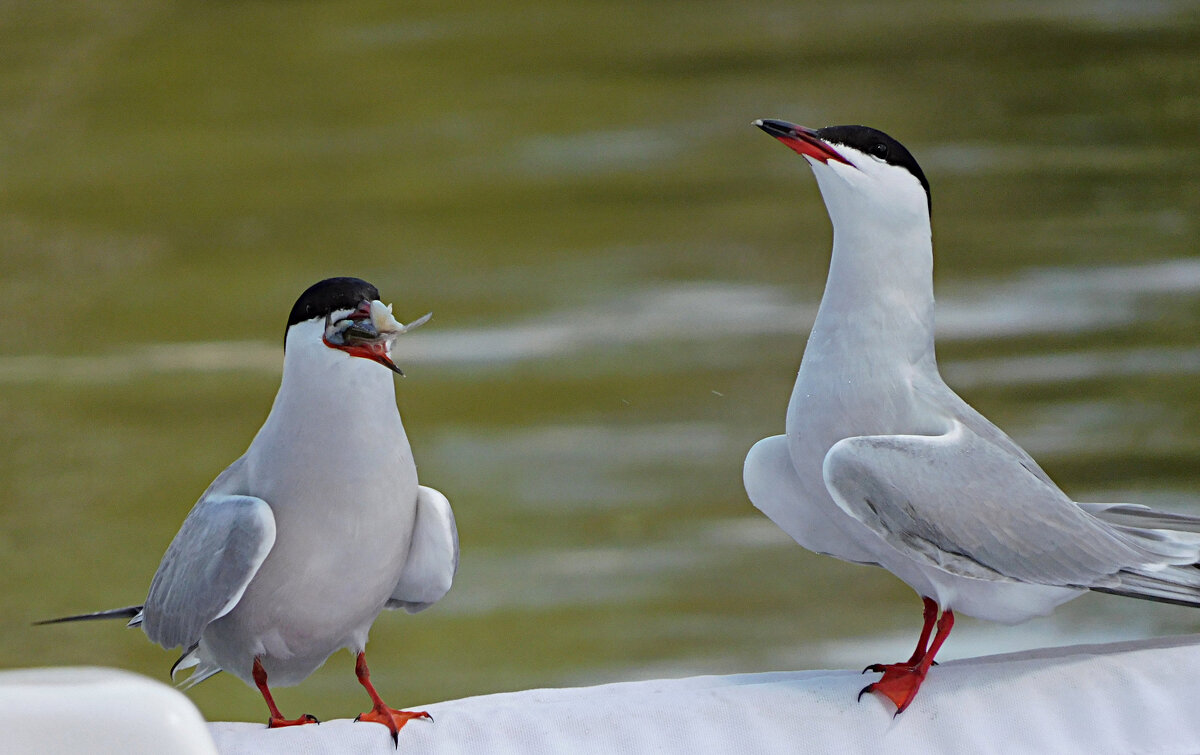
(801, 140)
(360, 338)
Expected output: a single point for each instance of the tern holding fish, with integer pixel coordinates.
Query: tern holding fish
(297, 547)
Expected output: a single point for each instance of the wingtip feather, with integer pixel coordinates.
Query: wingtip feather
(128, 612)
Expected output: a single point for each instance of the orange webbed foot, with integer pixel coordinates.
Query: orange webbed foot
(392, 718)
(899, 684)
(275, 722)
(901, 681)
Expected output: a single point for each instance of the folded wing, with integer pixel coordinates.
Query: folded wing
(774, 488)
(432, 556)
(962, 504)
(207, 567)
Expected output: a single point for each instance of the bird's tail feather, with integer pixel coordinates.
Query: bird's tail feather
(194, 658)
(1171, 539)
(1174, 584)
(197, 676)
(133, 613)
(188, 660)
(1142, 517)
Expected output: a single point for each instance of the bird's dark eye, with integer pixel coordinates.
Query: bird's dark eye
(880, 150)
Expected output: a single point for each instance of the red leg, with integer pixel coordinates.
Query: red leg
(930, 614)
(901, 681)
(276, 720)
(381, 713)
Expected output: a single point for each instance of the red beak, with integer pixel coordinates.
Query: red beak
(375, 349)
(801, 140)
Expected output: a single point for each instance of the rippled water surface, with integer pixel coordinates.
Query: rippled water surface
(622, 272)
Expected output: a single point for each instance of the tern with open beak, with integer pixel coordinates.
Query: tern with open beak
(297, 547)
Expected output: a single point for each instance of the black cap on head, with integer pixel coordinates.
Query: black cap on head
(331, 295)
(874, 142)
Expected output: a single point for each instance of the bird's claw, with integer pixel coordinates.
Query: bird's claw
(871, 688)
(393, 719)
(899, 684)
(307, 718)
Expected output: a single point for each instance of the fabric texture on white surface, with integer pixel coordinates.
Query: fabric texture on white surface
(1137, 697)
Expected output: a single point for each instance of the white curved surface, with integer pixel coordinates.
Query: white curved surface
(1118, 698)
(96, 710)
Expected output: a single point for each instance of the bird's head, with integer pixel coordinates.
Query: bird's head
(347, 315)
(864, 175)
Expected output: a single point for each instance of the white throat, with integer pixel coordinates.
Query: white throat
(325, 393)
(880, 285)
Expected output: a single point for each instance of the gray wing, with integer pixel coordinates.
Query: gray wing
(772, 485)
(965, 505)
(207, 567)
(944, 399)
(432, 556)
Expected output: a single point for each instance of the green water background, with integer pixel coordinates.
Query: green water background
(622, 271)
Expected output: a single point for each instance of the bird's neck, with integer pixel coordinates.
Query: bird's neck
(328, 398)
(878, 301)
